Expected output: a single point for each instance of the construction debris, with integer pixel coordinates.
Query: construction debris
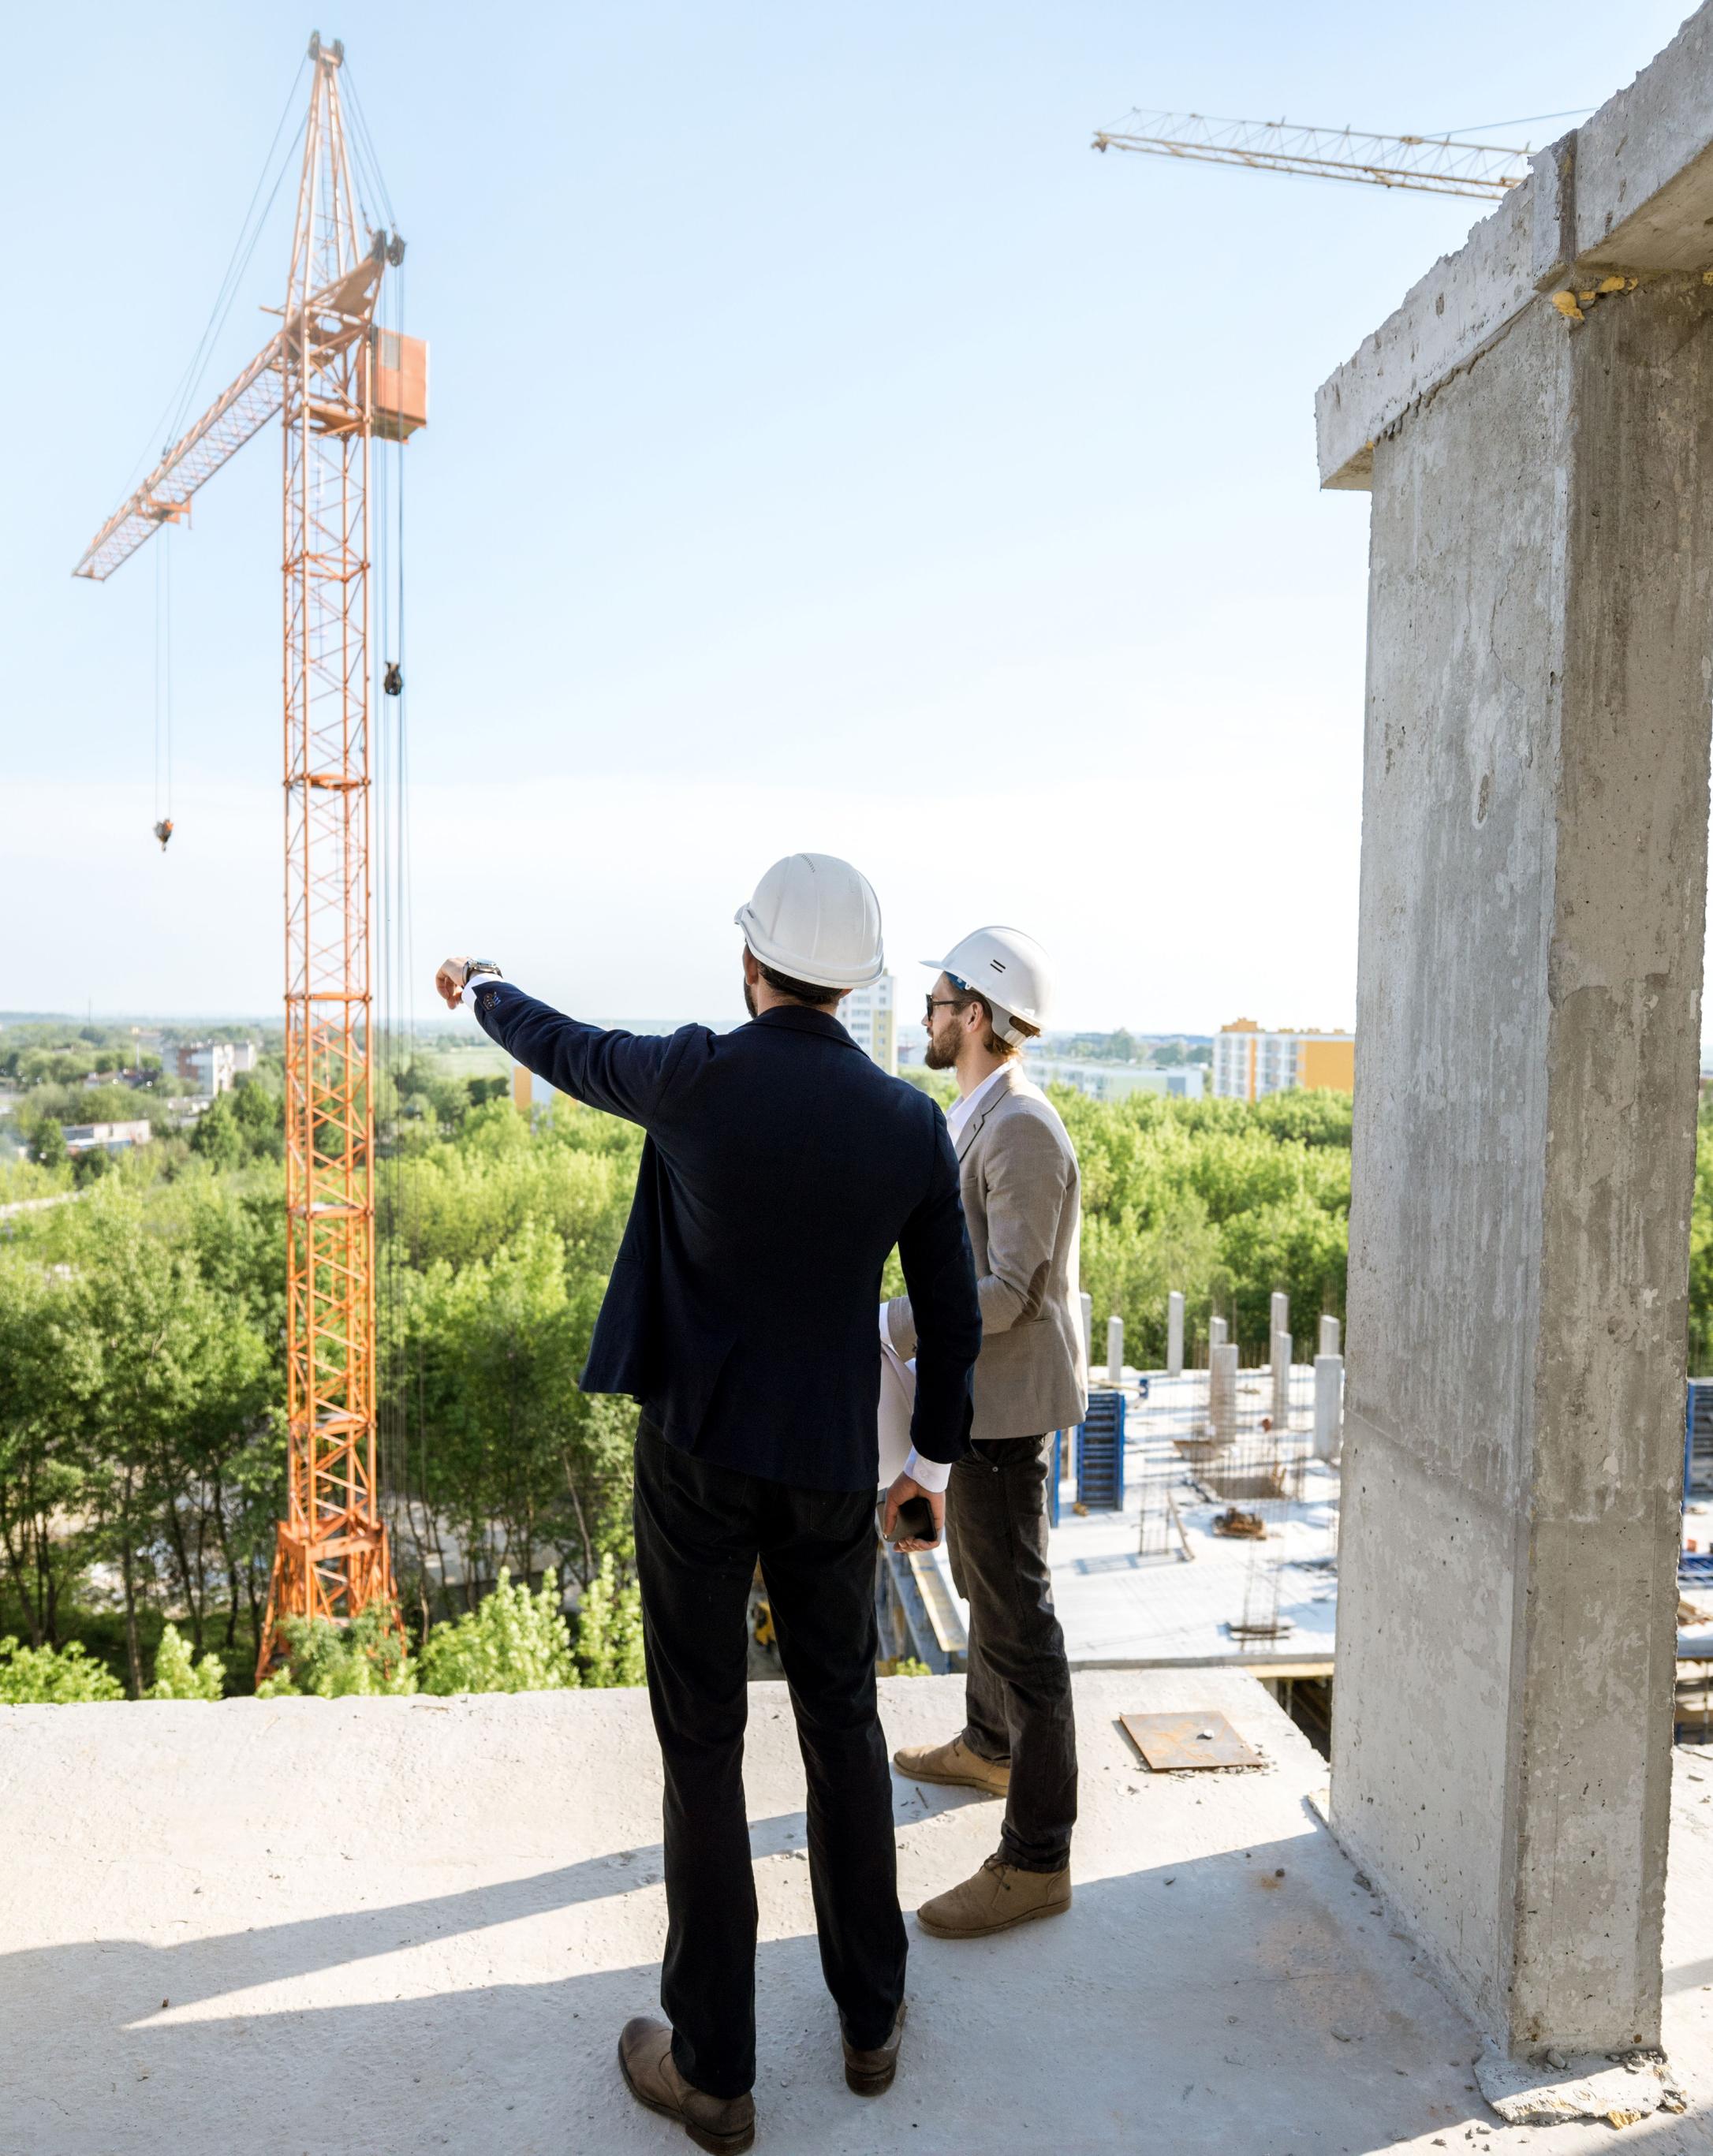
(1169, 1743)
(1607, 2088)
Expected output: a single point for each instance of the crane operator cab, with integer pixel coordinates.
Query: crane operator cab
(398, 383)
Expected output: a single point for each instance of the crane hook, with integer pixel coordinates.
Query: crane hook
(163, 831)
(393, 681)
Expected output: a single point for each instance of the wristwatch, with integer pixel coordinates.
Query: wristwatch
(472, 966)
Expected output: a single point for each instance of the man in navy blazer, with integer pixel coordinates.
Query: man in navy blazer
(779, 1169)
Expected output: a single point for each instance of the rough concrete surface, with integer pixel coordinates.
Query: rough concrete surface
(1528, 1004)
(382, 1926)
(1448, 317)
(1644, 161)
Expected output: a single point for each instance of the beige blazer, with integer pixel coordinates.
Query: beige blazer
(1023, 1202)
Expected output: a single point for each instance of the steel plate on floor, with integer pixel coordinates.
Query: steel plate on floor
(1169, 1742)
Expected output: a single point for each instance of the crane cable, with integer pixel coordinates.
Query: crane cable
(170, 425)
(164, 684)
(397, 959)
(367, 161)
(399, 1401)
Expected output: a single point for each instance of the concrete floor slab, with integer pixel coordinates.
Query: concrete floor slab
(371, 1926)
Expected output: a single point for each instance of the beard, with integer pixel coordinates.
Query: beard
(941, 1052)
(748, 999)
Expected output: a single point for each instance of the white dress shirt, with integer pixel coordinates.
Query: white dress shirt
(961, 1110)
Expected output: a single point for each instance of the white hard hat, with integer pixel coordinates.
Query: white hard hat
(1009, 968)
(815, 918)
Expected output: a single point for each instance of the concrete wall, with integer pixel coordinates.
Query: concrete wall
(1533, 882)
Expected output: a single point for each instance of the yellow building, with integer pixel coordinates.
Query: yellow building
(1249, 1064)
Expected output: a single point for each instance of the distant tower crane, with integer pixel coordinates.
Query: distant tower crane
(1431, 164)
(337, 380)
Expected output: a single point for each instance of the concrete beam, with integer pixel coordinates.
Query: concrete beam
(1448, 318)
(1643, 191)
(1628, 193)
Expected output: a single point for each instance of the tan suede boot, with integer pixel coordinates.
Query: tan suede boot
(724, 2125)
(954, 1762)
(997, 1897)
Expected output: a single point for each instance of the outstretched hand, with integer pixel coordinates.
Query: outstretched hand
(905, 1487)
(449, 981)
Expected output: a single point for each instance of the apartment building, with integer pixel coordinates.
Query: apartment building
(208, 1067)
(1248, 1064)
(870, 1018)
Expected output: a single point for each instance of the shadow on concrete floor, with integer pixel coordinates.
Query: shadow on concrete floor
(1213, 2007)
(389, 1926)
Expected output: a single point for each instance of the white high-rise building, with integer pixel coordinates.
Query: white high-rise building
(871, 1021)
(208, 1067)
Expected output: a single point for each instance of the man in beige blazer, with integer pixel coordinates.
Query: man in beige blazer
(1022, 1204)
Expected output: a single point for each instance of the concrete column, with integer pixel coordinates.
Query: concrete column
(1115, 1350)
(1087, 1303)
(1216, 1331)
(1222, 1393)
(1329, 1403)
(1175, 1335)
(1279, 1315)
(1281, 1381)
(1533, 884)
(1330, 1344)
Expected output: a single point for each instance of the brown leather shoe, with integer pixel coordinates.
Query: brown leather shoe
(954, 1762)
(870, 2073)
(997, 1897)
(724, 2125)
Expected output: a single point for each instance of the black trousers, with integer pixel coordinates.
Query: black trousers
(699, 1532)
(1017, 1693)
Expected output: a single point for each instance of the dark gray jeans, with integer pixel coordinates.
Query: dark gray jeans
(1018, 1691)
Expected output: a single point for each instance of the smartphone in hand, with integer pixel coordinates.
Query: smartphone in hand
(914, 1523)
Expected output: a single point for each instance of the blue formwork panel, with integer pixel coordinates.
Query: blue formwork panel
(1694, 1568)
(1055, 1475)
(1100, 1453)
(1698, 1439)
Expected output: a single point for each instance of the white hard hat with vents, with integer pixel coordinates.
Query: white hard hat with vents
(815, 918)
(1011, 970)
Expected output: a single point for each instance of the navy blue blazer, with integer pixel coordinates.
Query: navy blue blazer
(780, 1167)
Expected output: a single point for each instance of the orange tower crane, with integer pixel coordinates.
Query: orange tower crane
(337, 379)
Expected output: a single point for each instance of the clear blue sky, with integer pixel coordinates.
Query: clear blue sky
(827, 450)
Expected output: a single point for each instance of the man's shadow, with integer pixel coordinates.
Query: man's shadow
(1247, 2003)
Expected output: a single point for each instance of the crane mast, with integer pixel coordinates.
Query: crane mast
(336, 381)
(331, 1558)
